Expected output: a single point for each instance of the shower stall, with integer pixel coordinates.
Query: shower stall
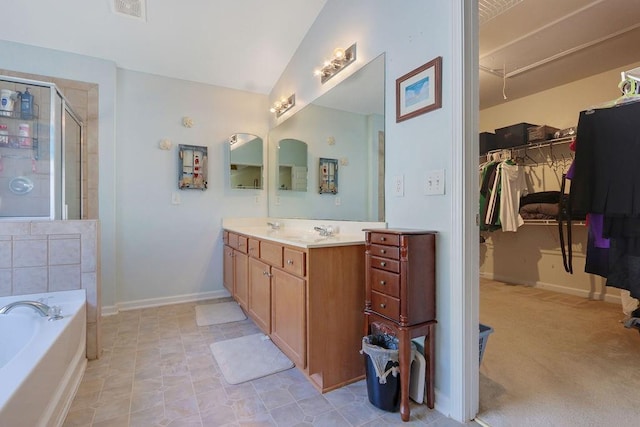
(41, 148)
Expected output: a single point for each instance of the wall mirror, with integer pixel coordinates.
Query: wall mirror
(245, 161)
(292, 165)
(345, 124)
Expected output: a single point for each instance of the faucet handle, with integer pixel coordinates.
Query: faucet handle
(55, 312)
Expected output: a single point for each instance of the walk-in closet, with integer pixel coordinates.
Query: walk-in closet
(559, 352)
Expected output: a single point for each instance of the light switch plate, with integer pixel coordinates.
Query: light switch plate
(434, 184)
(175, 198)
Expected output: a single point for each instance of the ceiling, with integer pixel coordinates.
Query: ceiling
(240, 44)
(246, 44)
(541, 44)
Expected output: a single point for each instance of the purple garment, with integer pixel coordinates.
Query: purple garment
(571, 170)
(596, 225)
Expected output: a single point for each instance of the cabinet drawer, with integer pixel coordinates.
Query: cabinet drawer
(385, 251)
(254, 248)
(233, 240)
(385, 264)
(271, 253)
(294, 262)
(385, 239)
(242, 244)
(385, 305)
(385, 282)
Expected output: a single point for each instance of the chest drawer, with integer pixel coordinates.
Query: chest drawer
(271, 253)
(385, 282)
(385, 305)
(294, 262)
(385, 239)
(254, 248)
(233, 240)
(243, 244)
(385, 264)
(385, 251)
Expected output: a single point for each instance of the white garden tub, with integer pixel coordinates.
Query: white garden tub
(41, 361)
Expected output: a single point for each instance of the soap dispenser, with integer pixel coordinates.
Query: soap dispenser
(26, 105)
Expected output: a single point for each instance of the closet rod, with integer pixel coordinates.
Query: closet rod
(540, 144)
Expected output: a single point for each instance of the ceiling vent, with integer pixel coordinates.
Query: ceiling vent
(131, 8)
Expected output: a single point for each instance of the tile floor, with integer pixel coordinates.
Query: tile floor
(157, 370)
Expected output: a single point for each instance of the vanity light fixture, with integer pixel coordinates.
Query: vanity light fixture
(284, 105)
(341, 59)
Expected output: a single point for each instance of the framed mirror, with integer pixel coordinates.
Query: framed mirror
(245, 161)
(292, 165)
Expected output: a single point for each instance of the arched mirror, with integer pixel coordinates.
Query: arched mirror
(292, 165)
(245, 161)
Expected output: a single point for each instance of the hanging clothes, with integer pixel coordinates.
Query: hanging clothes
(606, 181)
(512, 186)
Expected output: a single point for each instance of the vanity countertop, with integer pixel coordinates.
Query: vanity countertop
(300, 232)
(299, 237)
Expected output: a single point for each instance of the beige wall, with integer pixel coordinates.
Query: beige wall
(531, 256)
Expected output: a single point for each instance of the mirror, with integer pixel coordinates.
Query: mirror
(346, 125)
(245, 161)
(292, 165)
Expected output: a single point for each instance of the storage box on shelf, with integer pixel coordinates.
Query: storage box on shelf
(541, 133)
(514, 135)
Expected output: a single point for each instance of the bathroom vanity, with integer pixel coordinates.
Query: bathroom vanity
(305, 291)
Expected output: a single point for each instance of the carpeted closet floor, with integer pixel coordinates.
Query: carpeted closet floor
(556, 360)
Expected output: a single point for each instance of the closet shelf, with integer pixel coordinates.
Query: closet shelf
(548, 222)
(539, 144)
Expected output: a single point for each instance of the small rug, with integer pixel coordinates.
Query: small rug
(214, 314)
(249, 357)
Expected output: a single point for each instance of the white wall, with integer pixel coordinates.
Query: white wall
(166, 251)
(410, 34)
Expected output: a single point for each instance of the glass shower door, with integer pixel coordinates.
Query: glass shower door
(72, 158)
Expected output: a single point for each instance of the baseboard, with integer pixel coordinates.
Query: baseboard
(158, 302)
(552, 287)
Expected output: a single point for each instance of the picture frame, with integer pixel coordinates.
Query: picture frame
(419, 91)
(328, 174)
(192, 167)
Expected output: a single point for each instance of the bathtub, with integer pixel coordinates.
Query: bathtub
(41, 361)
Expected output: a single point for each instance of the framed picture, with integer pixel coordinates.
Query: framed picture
(192, 167)
(419, 91)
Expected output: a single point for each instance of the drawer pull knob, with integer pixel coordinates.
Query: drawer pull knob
(290, 261)
(383, 263)
(266, 273)
(383, 305)
(383, 251)
(382, 239)
(382, 282)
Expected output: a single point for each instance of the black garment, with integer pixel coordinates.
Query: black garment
(624, 265)
(607, 169)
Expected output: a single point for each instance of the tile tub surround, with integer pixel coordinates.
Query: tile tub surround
(49, 256)
(157, 370)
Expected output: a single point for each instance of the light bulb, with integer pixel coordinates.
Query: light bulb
(338, 53)
(273, 110)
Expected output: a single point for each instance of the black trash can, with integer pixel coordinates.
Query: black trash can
(381, 369)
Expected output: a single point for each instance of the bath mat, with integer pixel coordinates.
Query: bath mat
(249, 357)
(214, 314)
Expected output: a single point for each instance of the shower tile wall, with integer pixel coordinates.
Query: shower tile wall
(53, 256)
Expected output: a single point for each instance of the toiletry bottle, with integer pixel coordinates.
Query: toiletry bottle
(26, 105)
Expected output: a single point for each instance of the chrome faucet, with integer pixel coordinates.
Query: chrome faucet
(274, 225)
(324, 231)
(40, 308)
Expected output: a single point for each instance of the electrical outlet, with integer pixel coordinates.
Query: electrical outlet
(434, 184)
(338, 201)
(257, 200)
(398, 185)
(277, 200)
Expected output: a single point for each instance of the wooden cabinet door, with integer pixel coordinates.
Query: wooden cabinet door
(227, 269)
(241, 279)
(288, 319)
(260, 294)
